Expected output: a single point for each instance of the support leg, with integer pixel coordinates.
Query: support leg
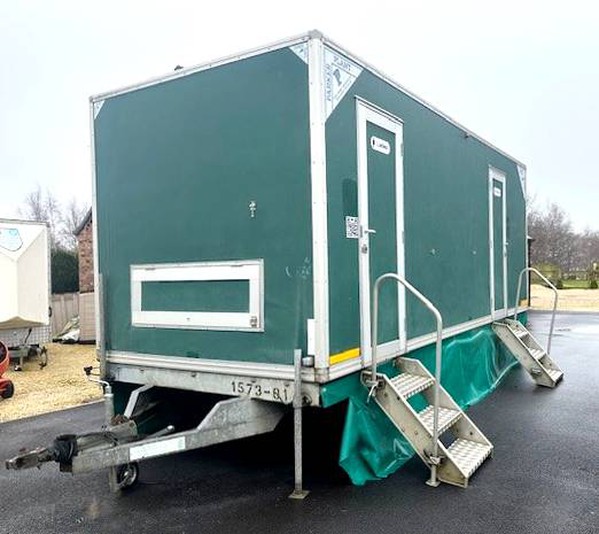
(298, 491)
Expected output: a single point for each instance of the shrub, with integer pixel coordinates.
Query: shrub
(593, 284)
(559, 284)
(65, 271)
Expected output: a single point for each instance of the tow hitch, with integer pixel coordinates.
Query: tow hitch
(119, 446)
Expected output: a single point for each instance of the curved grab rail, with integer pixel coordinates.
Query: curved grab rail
(555, 293)
(438, 356)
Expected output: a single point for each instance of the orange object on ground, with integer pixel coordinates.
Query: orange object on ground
(7, 388)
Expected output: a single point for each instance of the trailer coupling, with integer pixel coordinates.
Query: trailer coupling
(67, 446)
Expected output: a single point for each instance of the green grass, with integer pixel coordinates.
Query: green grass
(576, 284)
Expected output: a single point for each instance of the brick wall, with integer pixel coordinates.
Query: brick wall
(86, 258)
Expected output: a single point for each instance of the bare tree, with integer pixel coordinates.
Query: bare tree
(557, 243)
(34, 207)
(40, 205)
(72, 216)
(589, 248)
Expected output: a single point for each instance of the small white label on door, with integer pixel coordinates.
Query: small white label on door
(380, 145)
(351, 228)
(497, 191)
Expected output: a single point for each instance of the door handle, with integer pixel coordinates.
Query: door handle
(368, 231)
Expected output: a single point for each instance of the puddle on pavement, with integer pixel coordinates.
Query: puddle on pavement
(586, 329)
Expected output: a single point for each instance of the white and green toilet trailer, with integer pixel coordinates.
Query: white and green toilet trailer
(243, 210)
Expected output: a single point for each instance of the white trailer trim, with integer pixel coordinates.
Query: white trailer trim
(365, 113)
(388, 351)
(318, 180)
(250, 270)
(98, 290)
(499, 176)
(129, 366)
(181, 73)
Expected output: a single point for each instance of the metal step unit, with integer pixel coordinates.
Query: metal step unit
(452, 460)
(469, 448)
(527, 350)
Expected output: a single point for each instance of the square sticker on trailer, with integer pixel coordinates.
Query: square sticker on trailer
(351, 228)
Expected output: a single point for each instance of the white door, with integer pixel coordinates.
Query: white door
(380, 212)
(497, 243)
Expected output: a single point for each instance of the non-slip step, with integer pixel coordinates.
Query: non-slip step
(520, 333)
(537, 354)
(555, 374)
(468, 455)
(447, 418)
(407, 384)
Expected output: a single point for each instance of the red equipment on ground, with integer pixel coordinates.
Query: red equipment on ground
(7, 388)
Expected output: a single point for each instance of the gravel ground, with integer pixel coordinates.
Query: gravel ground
(568, 299)
(61, 384)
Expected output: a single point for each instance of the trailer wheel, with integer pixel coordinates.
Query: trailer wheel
(127, 475)
(9, 390)
(43, 357)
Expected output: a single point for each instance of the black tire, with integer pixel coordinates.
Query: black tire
(9, 391)
(127, 475)
(43, 357)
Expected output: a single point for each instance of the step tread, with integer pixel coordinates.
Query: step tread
(519, 333)
(468, 455)
(407, 384)
(447, 418)
(555, 374)
(537, 353)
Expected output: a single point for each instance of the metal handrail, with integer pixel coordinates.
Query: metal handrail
(556, 296)
(438, 357)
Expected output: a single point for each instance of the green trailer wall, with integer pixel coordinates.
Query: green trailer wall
(446, 207)
(178, 162)
(176, 166)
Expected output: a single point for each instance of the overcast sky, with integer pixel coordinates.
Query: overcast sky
(523, 75)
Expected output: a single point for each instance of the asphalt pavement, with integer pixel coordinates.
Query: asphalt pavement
(544, 477)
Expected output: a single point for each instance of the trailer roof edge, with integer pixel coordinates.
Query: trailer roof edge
(203, 66)
(312, 34)
(9, 220)
(428, 105)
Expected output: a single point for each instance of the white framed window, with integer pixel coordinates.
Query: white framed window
(250, 319)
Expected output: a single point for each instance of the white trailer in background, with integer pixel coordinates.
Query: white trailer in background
(25, 288)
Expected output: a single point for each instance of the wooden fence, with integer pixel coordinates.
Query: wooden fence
(65, 306)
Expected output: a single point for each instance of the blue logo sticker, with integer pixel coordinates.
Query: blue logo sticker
(10, 239)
